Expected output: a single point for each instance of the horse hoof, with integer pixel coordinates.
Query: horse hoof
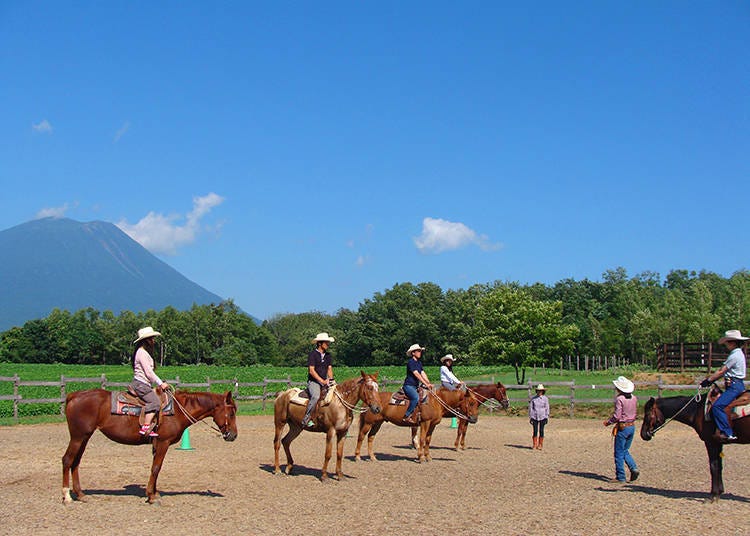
(83, 498)
(712, 499)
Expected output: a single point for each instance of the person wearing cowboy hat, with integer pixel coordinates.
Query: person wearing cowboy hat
(538, 416)
(733, 370)
(626, 409)
(319, 373)
(414, 376)
(144, 377)
(447, 378)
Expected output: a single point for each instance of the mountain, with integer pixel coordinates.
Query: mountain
(58, 262)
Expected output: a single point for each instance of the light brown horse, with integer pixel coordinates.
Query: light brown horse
(334, 419)
(484, 393)
(439, 404)
(87, 411)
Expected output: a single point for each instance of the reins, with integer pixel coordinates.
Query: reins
(347, 405)
(192, 419)
(446, 406)
(697, 398)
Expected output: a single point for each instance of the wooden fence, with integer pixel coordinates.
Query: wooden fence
(690, 356)
(270, 387)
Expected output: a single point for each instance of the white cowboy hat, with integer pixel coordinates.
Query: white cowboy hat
(732, 335)
(624, 384)
(540, 387)
(447, 357)
(146, 333)
(320, 337)
(414, 347)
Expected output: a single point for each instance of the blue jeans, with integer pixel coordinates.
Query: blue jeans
(623, 440)
(717, 410)
(413, 395)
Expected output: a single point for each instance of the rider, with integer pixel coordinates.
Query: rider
(319, 373)
(414, 376)
(447, 378)
(144, 376)
(733, 371)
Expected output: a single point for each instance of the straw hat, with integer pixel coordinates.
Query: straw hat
(321, 337)
(414, 347)
(146, 333)
(732, 335)
(624, 384)
(447, 357)
(540, 387)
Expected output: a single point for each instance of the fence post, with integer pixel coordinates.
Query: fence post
(104, 381)
(265, 392)
(62, 395)
(658, 386)
(682, 357)
(16, 379)
(572, 398)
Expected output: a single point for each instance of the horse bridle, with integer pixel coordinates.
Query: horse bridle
(347, 405)
(223, 429)
(696, 398)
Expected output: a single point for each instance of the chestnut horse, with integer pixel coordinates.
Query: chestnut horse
(690, 410)
(334, 419)
(87, 411)
(484, 393)
(439, 404)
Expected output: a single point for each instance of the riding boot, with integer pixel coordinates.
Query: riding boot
(534, 439)
(540, 443)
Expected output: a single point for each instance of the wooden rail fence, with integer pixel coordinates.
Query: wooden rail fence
(269, 387)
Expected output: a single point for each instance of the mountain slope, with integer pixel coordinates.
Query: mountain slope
(58, 262)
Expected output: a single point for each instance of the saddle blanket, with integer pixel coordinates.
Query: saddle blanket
(123, 404)
(301, 397)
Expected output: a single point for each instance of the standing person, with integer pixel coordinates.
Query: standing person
(414, 376)
(626, 409)
(144, 376)
(319, 373)
(447, 378)
(538, 416)
(733, 370)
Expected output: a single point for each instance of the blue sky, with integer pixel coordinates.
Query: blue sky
(299, 156)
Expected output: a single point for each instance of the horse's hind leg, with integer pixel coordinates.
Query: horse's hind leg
(371, 440)
(294, 431)
(276, 446)
(71, 460)
(340, 437)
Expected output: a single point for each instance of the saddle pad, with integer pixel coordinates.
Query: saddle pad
(298, 398)
(740, 411)
(399, 398)
(123, 404)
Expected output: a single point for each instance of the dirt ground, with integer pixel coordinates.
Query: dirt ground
(498, 485)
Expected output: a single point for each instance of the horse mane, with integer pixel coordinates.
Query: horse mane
(670, 405)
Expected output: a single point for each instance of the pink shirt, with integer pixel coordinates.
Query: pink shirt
(626, 409)
(143, 368)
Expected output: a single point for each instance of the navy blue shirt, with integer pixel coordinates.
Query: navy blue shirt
(411, 366)
(321, 364)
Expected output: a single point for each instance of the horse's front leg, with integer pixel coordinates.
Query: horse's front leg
(330, 434)
(461, 434)
(160, 450)
(363, 429)
(716, 466)
(427, 439)
(422, 435)
(340, 440)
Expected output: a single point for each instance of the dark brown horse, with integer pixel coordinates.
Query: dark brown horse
(334, 419)
(439, 404)
(690, 410)
(484, 393)
(87, 411)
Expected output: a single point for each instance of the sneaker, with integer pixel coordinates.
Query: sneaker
(634, 475)
(409, 420)
(310, 424)
(153, 433)
(144, 429)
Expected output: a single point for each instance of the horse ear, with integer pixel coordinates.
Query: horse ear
(228, 397)
(362, 372)
(375, 376)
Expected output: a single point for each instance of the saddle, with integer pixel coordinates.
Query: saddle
(738, 408)
(128, 403)
(301, 397)
(399, 398)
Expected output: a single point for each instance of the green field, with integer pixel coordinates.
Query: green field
(36, 412)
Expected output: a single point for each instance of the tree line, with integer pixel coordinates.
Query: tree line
(486, 324)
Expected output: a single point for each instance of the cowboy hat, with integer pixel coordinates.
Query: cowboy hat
(732, 335)
(623, 384)
(447, 357)
(540, 387)
(414, 347)
(321, 337)
(146, 333)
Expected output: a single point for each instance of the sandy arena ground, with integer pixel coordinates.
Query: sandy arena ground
(498, 485)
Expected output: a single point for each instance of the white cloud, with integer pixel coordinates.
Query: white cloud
(53, 212)
(44, 127)
(163, 234)
(123, 129)
(442, 235)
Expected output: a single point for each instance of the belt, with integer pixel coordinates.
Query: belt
(625, 424)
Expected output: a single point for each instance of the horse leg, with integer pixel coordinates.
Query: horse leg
(461, 434)
(340, 437)
(414, 437)
(714, 462)
(329, 451)
(294, 431)
(276, 446)
(363, 429)
(427, 438)
(159, 450)
(371, 440)
(71, 460)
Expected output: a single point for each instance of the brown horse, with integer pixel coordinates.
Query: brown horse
(334, 419)
(484, 393)
(439, 404)
(690, 410)
(87, 411)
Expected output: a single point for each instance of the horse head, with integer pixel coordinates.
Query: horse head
(225, 417)
(502, 396)
(469, 406)
(368, 391)
(653, 418)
